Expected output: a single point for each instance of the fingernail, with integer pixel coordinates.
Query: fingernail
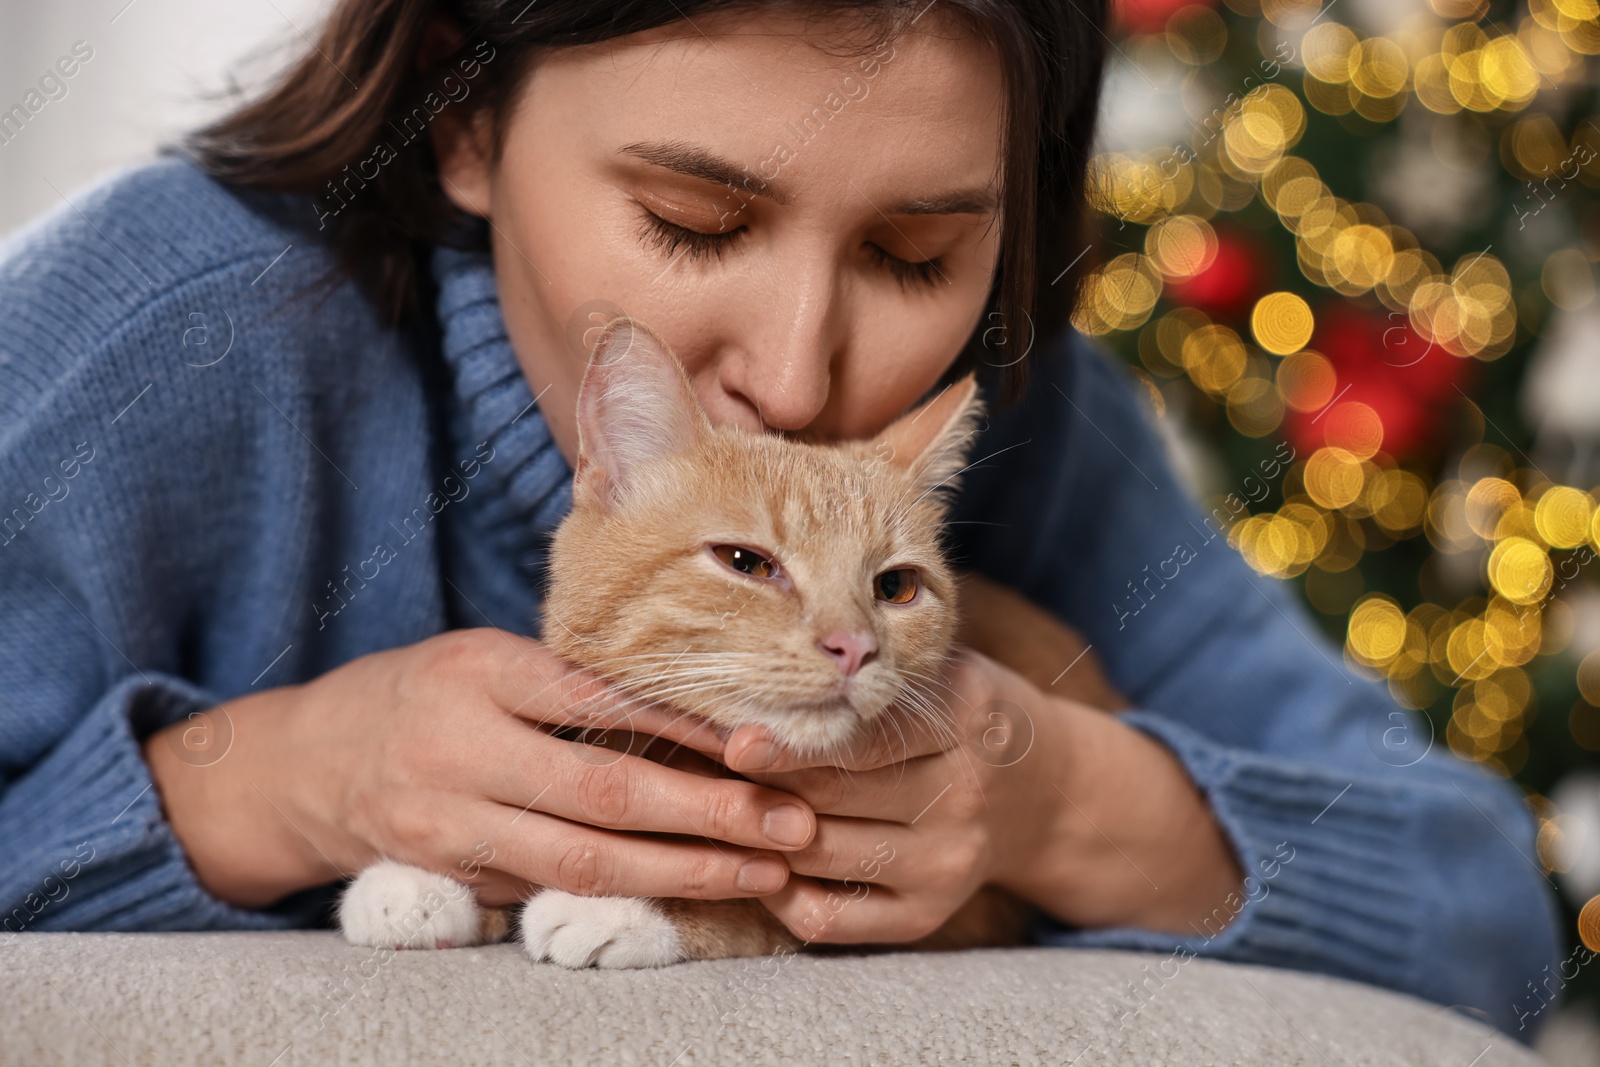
(786, 825)
(761, 876)
(759, 756)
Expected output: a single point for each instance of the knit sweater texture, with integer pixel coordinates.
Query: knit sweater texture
(221, 472)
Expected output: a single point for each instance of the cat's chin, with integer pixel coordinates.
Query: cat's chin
(807, 729)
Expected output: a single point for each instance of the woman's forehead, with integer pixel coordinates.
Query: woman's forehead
(760, 94)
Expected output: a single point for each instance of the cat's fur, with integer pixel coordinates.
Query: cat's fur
(637, 596)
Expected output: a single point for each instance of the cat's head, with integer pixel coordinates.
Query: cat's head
(750, 578)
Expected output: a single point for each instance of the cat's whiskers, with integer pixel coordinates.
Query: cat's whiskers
(657, 671)
(936, 713)
(931, 679)
(630, 704)
(926, 712)
(695, 696)
(939, 720)
(720, 654)
(925, 707)
(661, 682)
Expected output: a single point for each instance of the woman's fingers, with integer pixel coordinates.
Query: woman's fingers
(604, 787)
(590, 861)
(495, 888)
(858, 850)
(827, 913)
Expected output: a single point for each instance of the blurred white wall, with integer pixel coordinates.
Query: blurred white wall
(153, 64)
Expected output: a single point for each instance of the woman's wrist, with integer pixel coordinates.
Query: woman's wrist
(1125, 838)
(227, 808)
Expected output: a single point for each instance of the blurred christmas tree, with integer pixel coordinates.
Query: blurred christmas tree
(1368, 228)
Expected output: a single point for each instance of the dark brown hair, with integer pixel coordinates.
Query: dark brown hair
(371, 71)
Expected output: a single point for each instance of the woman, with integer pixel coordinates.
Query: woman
(296, 425)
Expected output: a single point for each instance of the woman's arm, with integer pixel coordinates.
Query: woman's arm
(1417, 874)
(1153, 856)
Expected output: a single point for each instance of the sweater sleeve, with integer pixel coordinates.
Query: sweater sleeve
(1371, 852)
(101, 640)
(127, 471)
(87, 846)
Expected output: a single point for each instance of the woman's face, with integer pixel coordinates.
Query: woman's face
(814, 234)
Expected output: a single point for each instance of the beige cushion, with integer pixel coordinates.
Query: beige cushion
(291, 999)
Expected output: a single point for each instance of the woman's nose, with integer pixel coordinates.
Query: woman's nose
(785, 359)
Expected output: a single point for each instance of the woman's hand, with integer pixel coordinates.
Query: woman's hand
(1048, 798)
(443, 755)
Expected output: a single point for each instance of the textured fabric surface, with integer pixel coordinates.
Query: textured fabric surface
(218, 477)
(298, 998)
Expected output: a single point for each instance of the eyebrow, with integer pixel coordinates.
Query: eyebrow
(680, 157)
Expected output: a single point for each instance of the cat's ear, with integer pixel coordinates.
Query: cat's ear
(933, 439)
(636, 404)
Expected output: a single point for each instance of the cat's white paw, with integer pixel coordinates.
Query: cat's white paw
(396, 905)
(616, 932)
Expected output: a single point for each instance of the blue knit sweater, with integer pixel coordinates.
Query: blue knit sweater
(216, 479)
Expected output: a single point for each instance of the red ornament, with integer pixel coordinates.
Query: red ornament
(1145, 16)
(1380, 362)
(1229, 286)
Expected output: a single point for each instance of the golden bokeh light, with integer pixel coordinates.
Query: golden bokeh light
(1472, 313)
(1196, 34)
(1334, 477)
(1489, 98)
(1362, 256)
(1520, 570)
(1354, 427)
(1589, 924)
(1214, 357)
(1306, 380)
(1181, 246)
(1533, 145)
(1119, 295)
(1589, 678)
(1397, 499)
(1326, 49)
(1282, 323)
(1290, 13)
(1563, 515)
(1487, 500)
(1378, 67)
(1266, 125)
(1254, 407)
(1377, 630)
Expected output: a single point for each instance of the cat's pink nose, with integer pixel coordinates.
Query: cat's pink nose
(850, 649)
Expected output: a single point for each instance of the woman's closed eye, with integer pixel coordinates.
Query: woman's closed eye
(671, 239)
(923, 274)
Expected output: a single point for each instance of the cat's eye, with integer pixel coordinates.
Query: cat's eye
(745, 560)
(896, 586)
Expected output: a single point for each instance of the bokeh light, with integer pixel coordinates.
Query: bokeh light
(1374, 243)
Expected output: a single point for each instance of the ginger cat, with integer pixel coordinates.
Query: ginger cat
(741, 578)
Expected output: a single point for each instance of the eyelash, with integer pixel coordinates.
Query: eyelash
(910, 275)
(667, 238)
